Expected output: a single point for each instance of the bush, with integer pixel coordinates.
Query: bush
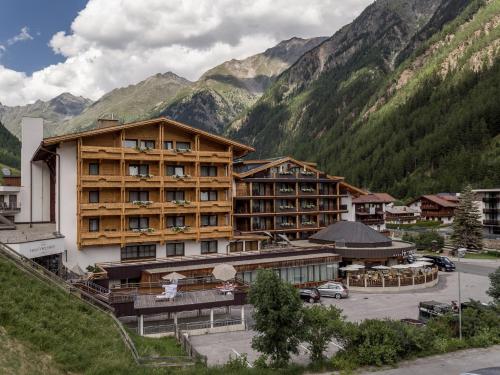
(424, 240)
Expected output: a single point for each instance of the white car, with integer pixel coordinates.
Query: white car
(331, 289)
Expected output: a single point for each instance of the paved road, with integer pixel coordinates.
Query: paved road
(476, 269)
(447, 364)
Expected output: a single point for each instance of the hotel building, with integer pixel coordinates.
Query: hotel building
(144, 190)
(488, 201)
(284, 196)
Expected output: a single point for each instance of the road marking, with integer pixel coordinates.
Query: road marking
(337, 345)
(303, 347)
(239, 356)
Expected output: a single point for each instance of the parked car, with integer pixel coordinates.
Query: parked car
(430, 309)
(310, 295)
(483, 371)
(442, 262)
(336, 290)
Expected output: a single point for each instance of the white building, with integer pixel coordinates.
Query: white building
(488, 202)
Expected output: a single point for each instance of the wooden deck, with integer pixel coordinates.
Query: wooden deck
(188, 300)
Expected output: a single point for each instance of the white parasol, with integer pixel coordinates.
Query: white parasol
(173, 276)
(400, 266)
(381, 267)
(224, 272)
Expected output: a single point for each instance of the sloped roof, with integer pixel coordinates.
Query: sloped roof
(351, 234)
(73, 136)
(374, 198)
(441, 201)
(401, 210)
(261, 165)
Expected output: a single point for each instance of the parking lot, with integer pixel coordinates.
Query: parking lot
(219, 347)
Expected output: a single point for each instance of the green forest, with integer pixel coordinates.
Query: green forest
(437, 133)
(10, 148)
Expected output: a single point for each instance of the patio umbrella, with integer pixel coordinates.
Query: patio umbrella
(400, 266)
(381, 267)
(224, 272)
(352, 267)
(173, 276)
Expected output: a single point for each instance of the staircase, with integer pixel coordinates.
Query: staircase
(6, 223)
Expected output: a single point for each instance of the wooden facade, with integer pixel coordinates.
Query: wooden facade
(152, 182)
(285, 196)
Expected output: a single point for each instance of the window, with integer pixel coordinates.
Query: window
(138, 169)
(131, 143)
(175, 195)
(208, 195)
(135, 195)
(168, 145)
(208, 220)
(93, 169)
(138, 252)
(175, 249)
(208, 247)
(147, 144)
(138, 222)
(94, 225)
(175, 170)
(94, 196)
(208, 171)
(183, 145)
(175, 221)
(235, 246)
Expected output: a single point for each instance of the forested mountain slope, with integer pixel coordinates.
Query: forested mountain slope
(10, 149)
(358, 106)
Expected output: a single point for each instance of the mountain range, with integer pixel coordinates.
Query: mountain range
(403, 99)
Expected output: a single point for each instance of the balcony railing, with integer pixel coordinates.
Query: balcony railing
(9, 207)
(491, 222)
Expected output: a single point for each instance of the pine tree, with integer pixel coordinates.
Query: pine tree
(467, 226)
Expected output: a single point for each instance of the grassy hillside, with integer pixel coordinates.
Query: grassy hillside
(427, 124)
(56, 331)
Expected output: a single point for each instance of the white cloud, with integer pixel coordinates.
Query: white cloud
(114, 43)
(22, 36)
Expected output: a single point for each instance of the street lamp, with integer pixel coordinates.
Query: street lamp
(460, 253)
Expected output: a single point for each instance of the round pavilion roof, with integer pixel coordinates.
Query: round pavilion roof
(351, 234)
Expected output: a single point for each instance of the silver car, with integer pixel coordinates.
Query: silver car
(332, 289)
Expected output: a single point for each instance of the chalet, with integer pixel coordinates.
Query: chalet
(284, 196)
(370, 209)
(401, 215)
(440, 207)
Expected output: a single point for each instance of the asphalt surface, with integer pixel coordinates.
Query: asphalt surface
(447, 364)
(475, 269)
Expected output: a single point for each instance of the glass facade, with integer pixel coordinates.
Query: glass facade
(299, 275)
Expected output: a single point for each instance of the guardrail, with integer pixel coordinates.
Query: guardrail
(42, 274)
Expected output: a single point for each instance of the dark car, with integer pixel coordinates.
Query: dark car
(310, 295)
(442, 262)
(484, 371)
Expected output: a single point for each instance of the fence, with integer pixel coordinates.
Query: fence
(186, 345)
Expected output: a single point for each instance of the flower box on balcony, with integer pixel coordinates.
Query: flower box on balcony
(286, 190)
(181, 202)
(144, 176)
(309, 206)
(308, 223)
(181, 177)
(286, 173)
(307, 190)
(307, 173)
(142, 203)
(286, 207)
(181, 150)
(180, 229)
(143, 149)
(287, 224)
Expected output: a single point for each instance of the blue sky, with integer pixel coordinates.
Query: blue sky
(43, 18)
(90, 47)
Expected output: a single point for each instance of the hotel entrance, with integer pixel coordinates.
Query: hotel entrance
(53, 263)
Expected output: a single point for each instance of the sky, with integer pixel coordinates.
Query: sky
(88, 48)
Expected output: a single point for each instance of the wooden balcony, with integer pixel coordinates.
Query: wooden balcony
(215, 182)
(180, 182)
(174, 208)
(138, 181)
(215, 157)
(136, 237)
(141, 209)
(101, 152)
(134, 154)
(215, 206)
(169, 234)
(101, 209)
(216, 232)
(101, 181)
(100, 238)
(179, 156)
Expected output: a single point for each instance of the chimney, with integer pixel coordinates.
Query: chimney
(106, 122)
